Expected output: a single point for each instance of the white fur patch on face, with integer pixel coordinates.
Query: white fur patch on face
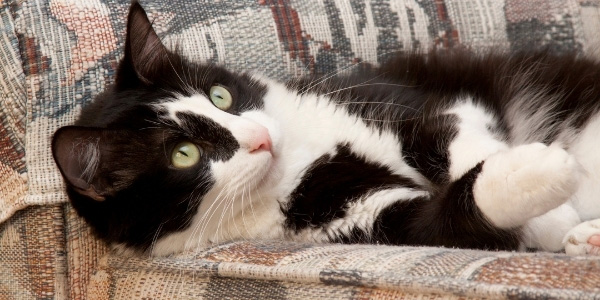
(251, 129)
(245, 130)
(250, 190)
(236, 180)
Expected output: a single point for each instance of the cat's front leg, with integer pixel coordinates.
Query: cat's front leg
(488, 206)
(524, 182)
(515, 183)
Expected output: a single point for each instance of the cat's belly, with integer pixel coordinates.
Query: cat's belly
(548, 231)
(586, 149)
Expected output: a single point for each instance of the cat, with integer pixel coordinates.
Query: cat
(446, 148)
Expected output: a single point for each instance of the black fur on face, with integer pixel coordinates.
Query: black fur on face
(135, 196)
(116, 159)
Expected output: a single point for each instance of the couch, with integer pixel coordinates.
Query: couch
(56, 55)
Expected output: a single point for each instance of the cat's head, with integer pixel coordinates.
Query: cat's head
(142, 157)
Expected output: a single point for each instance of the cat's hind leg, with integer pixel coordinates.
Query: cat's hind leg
(547, 231)
(583, 239)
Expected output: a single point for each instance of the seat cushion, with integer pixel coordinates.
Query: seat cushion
(282, 270)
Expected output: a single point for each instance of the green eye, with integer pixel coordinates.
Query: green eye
(185, 155)
(221, 97)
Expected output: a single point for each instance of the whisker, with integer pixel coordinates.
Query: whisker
(368, 84)
(202, 224)
(155, 237)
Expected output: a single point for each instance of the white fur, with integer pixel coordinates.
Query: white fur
(547, 231)
(586, 150)
(90, 158)
(519, 184)
(537, 123)
(245, 130)
(525, 182)
(576, 240)
(251, 188)
(473, 143)
(554, 230)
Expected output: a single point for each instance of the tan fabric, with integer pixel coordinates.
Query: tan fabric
(83, 253)
(32, 255)
(289, 270)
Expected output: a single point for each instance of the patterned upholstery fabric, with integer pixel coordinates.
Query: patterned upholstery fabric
(56, 55)
(275, 270)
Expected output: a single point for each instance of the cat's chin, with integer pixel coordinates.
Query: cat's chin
(259, 175)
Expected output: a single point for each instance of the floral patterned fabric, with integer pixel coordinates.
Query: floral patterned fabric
(56, 55)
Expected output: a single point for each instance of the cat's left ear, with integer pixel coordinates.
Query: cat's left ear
(145, 54)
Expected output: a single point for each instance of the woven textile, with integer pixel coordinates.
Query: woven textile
(32, 255)
(56, 55)
(286, 271)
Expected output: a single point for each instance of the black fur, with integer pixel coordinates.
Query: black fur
(334, 182)
(145, 198)
(450, 219)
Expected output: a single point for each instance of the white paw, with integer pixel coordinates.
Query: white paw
(583, 239)
(525, 182)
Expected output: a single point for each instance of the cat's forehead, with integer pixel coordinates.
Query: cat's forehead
(196, 104)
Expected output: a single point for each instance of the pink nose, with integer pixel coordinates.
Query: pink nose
(261, 140)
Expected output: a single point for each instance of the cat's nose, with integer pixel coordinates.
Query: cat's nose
(260, 141)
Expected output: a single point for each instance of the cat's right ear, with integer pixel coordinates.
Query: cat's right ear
(77, 152)
(145, 54)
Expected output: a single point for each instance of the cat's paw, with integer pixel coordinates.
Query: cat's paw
(583, 239)
(525, 182)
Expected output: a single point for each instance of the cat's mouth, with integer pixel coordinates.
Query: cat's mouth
(262, 167)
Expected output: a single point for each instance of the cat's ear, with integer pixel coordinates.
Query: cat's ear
(78, 153)
(144, 51)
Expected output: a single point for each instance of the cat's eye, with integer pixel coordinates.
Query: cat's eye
(221, 97)
(185, 155)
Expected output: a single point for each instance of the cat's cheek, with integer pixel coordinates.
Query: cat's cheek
(245, 170)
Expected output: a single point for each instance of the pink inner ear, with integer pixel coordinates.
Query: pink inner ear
(92, 193)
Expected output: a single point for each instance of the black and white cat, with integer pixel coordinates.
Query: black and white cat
(447, 148)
